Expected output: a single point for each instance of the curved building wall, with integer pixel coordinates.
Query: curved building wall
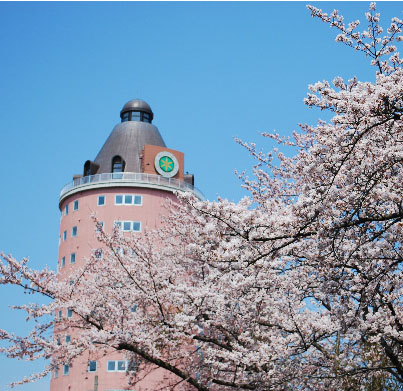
(149, 213)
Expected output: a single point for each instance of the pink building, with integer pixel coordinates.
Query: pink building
(125, 185)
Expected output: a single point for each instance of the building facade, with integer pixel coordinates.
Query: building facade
(125, 185)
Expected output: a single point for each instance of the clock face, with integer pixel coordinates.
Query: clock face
(166, 164)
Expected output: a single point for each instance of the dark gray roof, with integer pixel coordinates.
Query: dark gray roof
(127, 140)
(136, 104)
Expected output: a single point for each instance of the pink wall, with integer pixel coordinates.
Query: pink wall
(149, 213)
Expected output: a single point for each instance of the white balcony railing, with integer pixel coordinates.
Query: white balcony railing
(132, 178)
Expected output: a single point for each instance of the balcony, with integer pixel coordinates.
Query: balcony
(127, 179)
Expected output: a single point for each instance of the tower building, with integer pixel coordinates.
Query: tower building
(125, 185)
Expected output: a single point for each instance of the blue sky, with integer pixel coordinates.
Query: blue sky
(210, 71)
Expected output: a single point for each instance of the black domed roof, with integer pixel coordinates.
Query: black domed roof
(136, 105)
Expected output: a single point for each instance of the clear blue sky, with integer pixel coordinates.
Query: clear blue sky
(210, 71)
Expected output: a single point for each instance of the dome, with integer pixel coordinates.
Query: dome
(136, 105)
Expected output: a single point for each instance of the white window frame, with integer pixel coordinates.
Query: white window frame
(120, 224)
(66, 209)
(75, 203)
(99, 199)
(133, 199)
(73, 235)
(116, 366)
(72, 258)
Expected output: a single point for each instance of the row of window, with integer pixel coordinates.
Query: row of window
(73, 233)
(120, 199)
(69, 314)
(72, 260)
(66, 207)
(129, 226)
(112, 366)
(123, 199)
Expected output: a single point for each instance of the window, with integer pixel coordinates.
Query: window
(75, 205)
(138, 200)
(128, 199)
(135, 116)
(69, 313)
(118, 164)
(117, 366)
(92, 366)
(146, 117)
(73, 258)
(68, 338)
(101, 200)
(98, 253)
(125, 117)
(56, 373)
(64, 235)
(66, 370)
(66, 210)
(59, 314)
(129, 226)
(101, 223)
(63, 263)
(118, 199)
(58, 341)
(74, 232)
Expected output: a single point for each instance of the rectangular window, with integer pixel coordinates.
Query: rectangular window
(75, 205)
(102, 225)
(128, 199)
(64, 235)
(66, 370)
(117, 366)
(111, 366)
(69, 313)
(68, 338)
(73, 258)
(63, 262)
(92, 366)
(118, 224)
(58, 341)
(66, 210)
(118, 199)
(137, 200)
(101, 200)
(74, 232)
(56, 374)
(59, 314)
(129, 226)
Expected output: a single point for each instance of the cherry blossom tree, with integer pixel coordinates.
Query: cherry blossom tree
(298, 286)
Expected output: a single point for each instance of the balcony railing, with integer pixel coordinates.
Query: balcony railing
(120, 178)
